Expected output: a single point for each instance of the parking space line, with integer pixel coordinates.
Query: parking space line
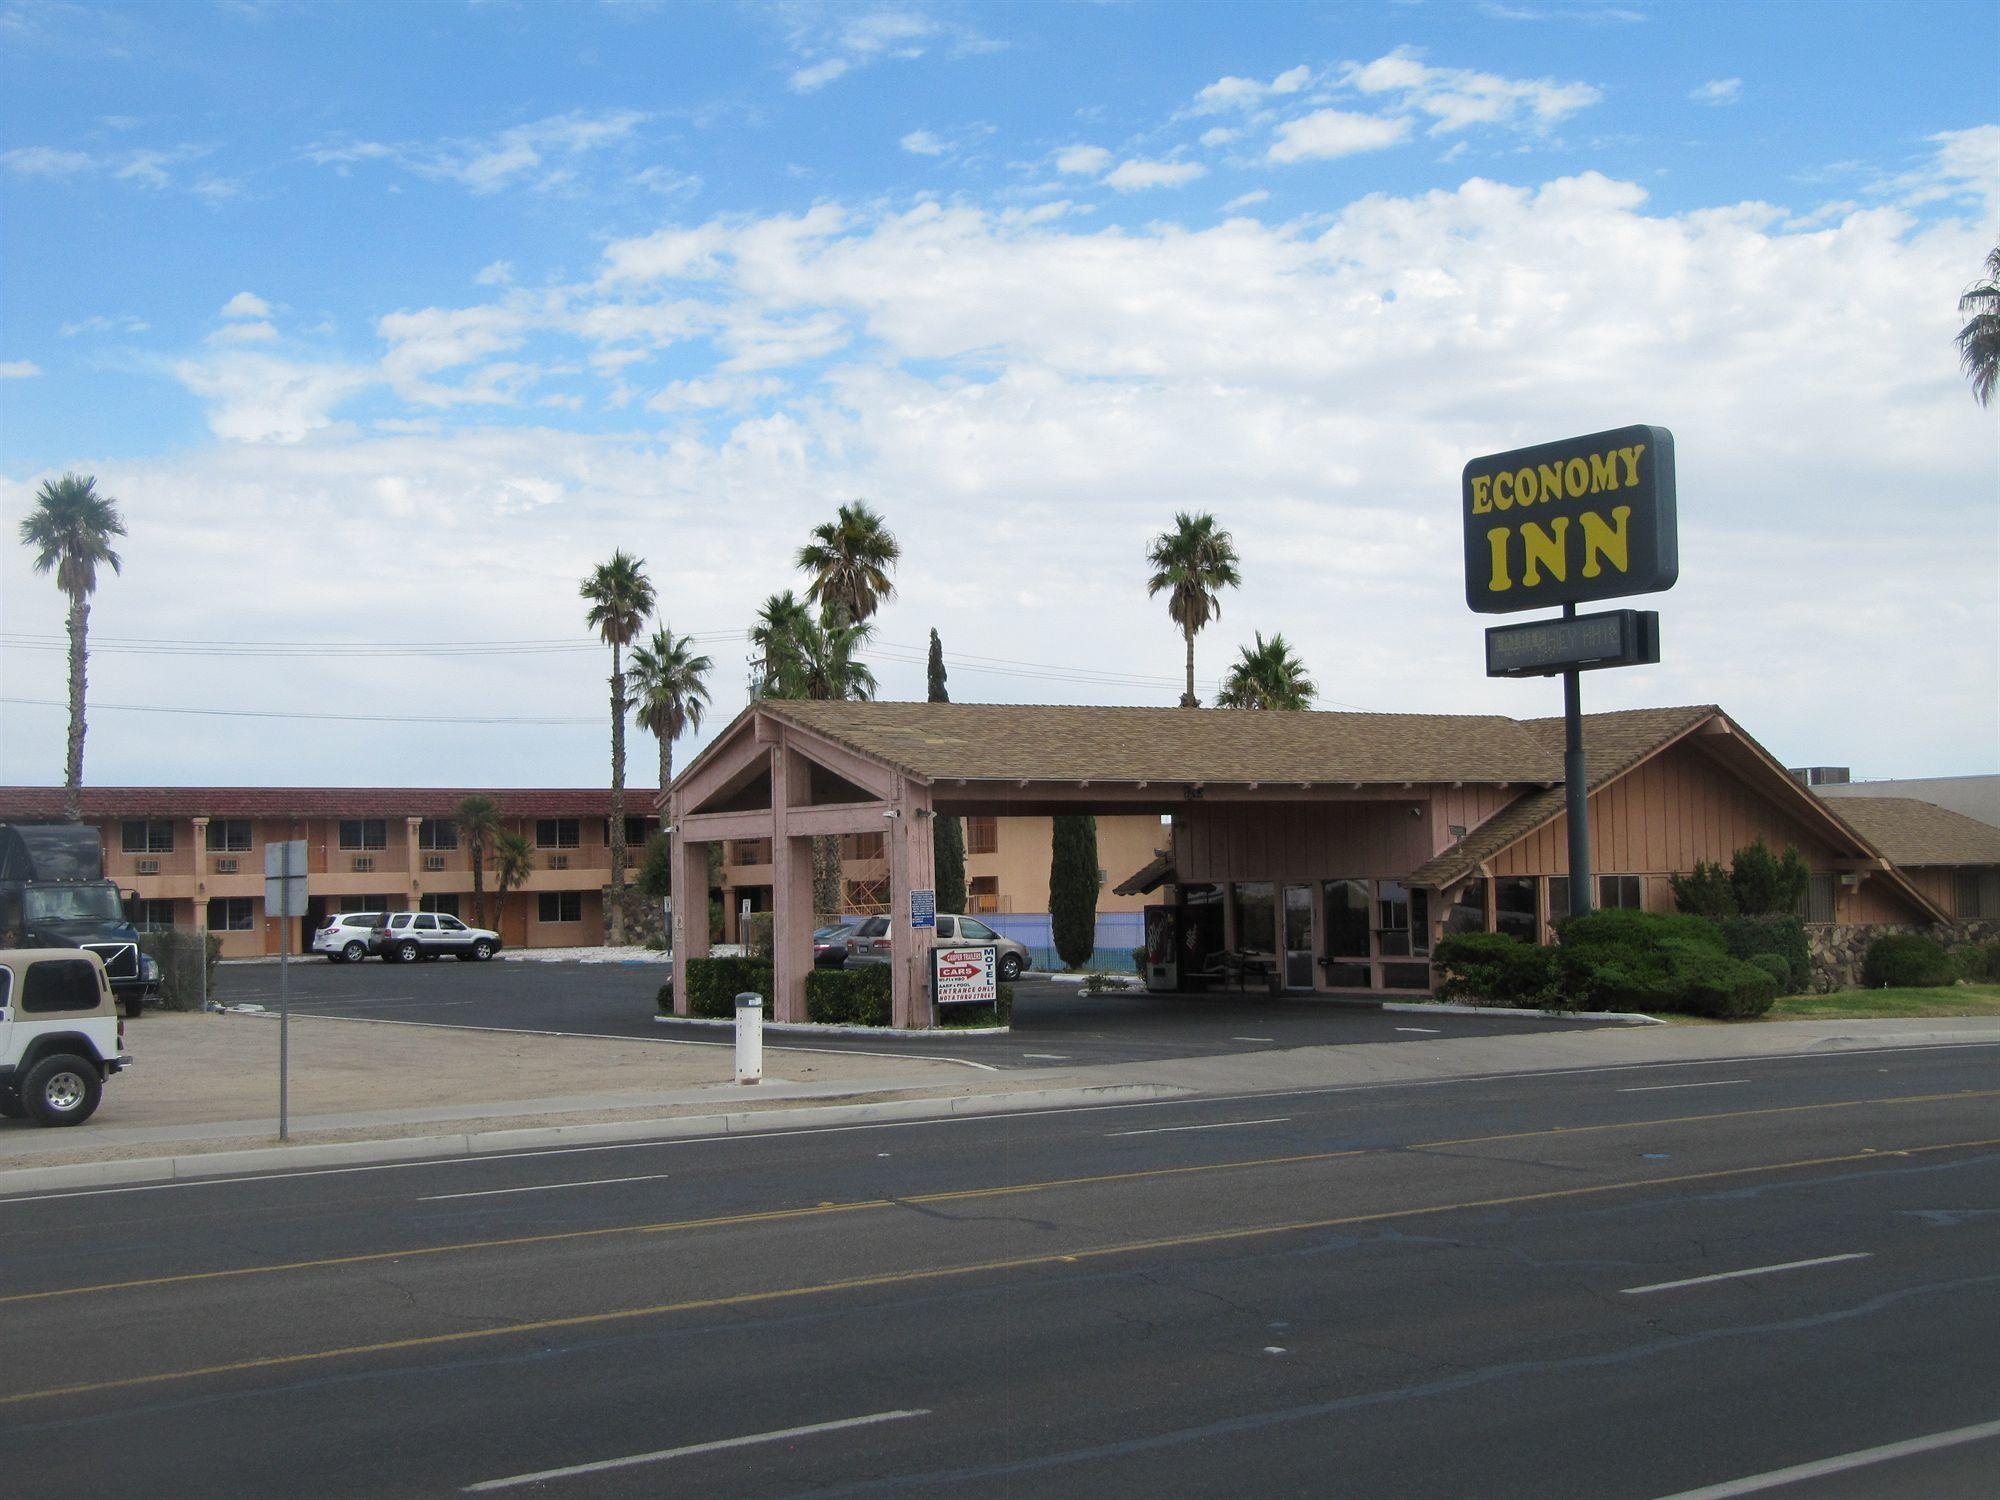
(1842, 1463)
(1790, 1265)
(1660, 1088)
(546, 1187)
(1225, 1125)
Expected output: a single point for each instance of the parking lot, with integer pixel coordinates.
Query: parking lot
(1054, 1023)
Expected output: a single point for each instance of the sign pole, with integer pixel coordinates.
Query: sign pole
(284, 992)
(1576, 787)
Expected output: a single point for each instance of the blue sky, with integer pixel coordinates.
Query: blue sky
(383, 321)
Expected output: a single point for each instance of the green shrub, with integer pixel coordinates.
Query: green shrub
(1706, 892)
(1979, 962)
(1491, 968)
(1657, 961)
(1707, 983)
(1140, 958)
(1907, 960)
(714, 983)
(1073, 888)
(1783, 935)
(849, 997)
(757, 935)
(179, 955)
(965, 1017)
(1775, 965)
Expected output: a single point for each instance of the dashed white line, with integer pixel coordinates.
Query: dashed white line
(663, 1454)
(1790, 1265)
(545, 1187)
(1660, 1088)
(1253, 1039)
(1046, 1056)
(1225, 1125)
(1426, 1030)
(1840, 1464)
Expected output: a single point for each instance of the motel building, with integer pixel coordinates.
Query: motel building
(1318, 853)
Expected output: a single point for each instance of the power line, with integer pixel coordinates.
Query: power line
(275, 713)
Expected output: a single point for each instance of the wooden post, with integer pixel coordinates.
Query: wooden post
(690, 910)
(911, 867)
(791, 887)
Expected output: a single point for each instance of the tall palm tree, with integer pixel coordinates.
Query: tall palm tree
(1267, 675)
(1191, 564)
(778, 664)
(830, 665)
(1979, 340)
(620, 598)
(71, 528)
(850, 558)
(513, 863)
(667, 682)
(478, 824)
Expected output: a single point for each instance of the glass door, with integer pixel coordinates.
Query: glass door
(1299, 947)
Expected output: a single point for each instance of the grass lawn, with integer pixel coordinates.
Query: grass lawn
(1861, 1005)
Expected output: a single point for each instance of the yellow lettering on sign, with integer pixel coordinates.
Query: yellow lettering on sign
(1503, 491)
(1525, 492)
(1603, 471)
(1631, 457)
(1551, 477)
(1482, 494)
(1577, 474)
(1545, 550)
(1496, 539)
(1602, 541)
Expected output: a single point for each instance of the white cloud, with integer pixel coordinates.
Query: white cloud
(1220, 135)
(261, 398)
(1137, 175)
(924, 143)
(1246, 200)
(496, 273)
(148, 168)
(1718, 91)
(668, 182)
(1457, 98)
(831, 42)
(244, 333)
(1086, 161)
(45, 161)
(1230, 93)
(99, 323)
(543, 153)
(246, 305)
(819, 75)
(1327, 133)
(19, 369)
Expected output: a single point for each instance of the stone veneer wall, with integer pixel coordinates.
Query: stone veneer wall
(645, 923)
(1839, 949)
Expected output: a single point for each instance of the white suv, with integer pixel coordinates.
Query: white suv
(344, 939)
(60, 1036)
(406, 936)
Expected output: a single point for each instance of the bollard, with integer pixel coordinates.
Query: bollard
(749, 1038)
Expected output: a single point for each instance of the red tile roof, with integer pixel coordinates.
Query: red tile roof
(43, 804)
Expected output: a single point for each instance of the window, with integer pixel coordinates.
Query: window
(437, 833)
(559, 833)
(562, 906)
(1515, 907)
(444, 903)
(231, 914)
(229, 836)
(1620, 892)
(427, 922)
(635, 830)
(367, 903)
(153, 916)
(448, 923)
(364, 833)
(982, 893)
(1978, 893)
(863, 846)
(749, 851)
(1468, 912)
(1404, 922)
(1558, 898)
(60, 984)
(1256, 917)
(1818, 898)
(982, 835)
(148, 836)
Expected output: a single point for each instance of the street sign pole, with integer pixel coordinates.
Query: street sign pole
(1576, 789)
(285, 997)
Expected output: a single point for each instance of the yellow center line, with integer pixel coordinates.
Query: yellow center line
(955, 1195)
(940, 1273)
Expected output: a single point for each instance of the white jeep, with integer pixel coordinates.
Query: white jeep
(60, 1036)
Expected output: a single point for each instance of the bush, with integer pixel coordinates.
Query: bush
(1907, 960)
(1775, 965)
(655, 880)
(756, 935)
(849, 997)
(714, 983)
(1632, 960)
(179, 956)
(1783, 935)
(1979, 962)
(964, 1017)
(1491, 968)
(1141, 957)
(1706, 892)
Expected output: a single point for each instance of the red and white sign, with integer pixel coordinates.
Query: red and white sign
(966, 976)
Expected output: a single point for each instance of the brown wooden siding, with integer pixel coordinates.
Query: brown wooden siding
(1312, 842)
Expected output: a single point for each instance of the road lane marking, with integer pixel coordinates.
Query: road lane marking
(1426, 1030)
(663, 1454)
(1047, 1056)
(956, 1195)
(1174, 1129)
(1253, 1039)
(546, 1187)
(943, 1273)
(1840, 1464)
(1660, 1088)
(1790, 1265)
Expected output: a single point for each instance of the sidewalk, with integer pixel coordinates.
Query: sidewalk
(32, 1161)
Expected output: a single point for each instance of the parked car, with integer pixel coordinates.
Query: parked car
(869, 941)
(830, 946)
(406, 936)
(344, 938)
(60, 1036)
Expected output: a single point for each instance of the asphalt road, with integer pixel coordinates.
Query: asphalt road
(1054, 1024)
(1607, 1283)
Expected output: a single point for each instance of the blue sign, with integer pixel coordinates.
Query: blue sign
(923, 908)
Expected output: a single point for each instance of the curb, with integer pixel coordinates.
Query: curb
(475, 1144)
(1451, 1008)
(819, 1028)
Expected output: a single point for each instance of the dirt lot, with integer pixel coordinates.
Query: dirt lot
(195, 1071)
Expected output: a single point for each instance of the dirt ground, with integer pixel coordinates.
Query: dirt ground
(193, 1070)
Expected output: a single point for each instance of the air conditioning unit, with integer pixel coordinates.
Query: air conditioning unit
(363, 863)
(558, 861)
(149, 867)
(433, 861)
(225, 867)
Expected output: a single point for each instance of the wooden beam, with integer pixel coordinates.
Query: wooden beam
(708, 827)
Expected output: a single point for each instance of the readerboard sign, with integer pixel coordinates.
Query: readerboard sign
(968, 975)
(1586, 518)
(1543, 648)
(923, 908)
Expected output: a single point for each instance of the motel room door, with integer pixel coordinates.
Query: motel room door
(1298, 935)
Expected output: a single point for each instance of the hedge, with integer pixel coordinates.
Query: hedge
(834, 997)
(714, 983)
(849, 997)
(1785, 936)
(1979, 962)
(1907, 960)
(1633, 960)
(975, 1017)
(1491, 968)
(178, 955)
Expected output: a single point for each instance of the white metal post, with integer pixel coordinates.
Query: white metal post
(284, 991)
(749, 1037)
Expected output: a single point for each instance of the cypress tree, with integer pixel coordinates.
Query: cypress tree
(1073, 889)
(947, 834)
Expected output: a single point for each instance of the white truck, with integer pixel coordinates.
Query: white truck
(60, 1035)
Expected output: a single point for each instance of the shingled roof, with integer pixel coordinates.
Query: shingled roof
(44, 804)
(1912, 832)
(1036, 742)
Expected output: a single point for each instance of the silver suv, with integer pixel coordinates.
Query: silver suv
(406, 936)
(868, 942)
(344, 939)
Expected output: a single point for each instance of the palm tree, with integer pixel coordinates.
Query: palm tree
(778, 665)
(849, 559)
(1267, 675)
(667, 684)
(71, 528)
(1979, 340)
(1190, 563)
(620, 598)
(830, 665)
(513, 863)
(478, 824)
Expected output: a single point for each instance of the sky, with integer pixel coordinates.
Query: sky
(384, 324)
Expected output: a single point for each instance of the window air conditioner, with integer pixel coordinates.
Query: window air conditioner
(363, 863)
(149, 867)
(225, 867)
(558, 861)
(433, 861)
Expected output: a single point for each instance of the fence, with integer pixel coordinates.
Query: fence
(1118, 933)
